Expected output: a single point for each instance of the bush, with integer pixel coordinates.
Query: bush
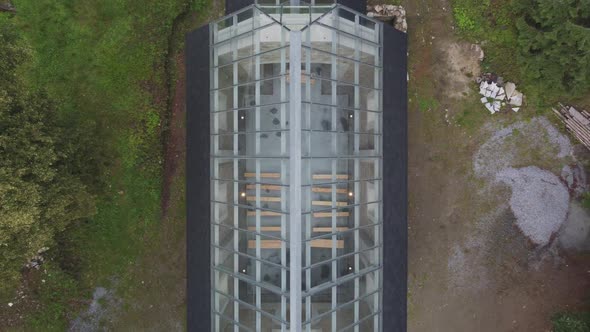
(40, 192)
(571, 322)
(464, 21)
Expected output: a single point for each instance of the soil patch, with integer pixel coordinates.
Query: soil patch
(462, 66)
(175, 147)
(470, 267)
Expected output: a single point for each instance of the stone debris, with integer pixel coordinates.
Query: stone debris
(390, 13)
(103, 307)
(477, 49)
(496, 94)
(35, 262)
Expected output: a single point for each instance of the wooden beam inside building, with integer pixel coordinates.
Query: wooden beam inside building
(264, 214)
(276, 244)
(264, 175)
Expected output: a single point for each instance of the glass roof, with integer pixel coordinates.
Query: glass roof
(296, 105)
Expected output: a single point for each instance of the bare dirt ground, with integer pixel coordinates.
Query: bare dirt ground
(470, 267)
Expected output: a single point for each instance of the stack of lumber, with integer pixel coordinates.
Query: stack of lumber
(575, 121)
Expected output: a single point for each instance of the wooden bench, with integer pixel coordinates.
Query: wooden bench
(265, 187)
(264, 214)
(328, 190)
(276, 244)
(272, 187)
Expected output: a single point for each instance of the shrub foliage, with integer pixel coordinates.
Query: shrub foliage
(554, 45)
(40, 191)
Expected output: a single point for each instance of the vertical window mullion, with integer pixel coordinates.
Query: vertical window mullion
(357, 185)
(295, 179)
(334, 253)
(284, 179)
(236, 174)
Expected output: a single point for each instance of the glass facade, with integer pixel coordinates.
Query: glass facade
(296, 105)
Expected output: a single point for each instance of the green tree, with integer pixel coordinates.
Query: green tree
(40, 192)
(554, 46)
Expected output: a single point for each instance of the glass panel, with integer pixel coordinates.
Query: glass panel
(369, 53)
(340, 147)
(321, 302)
(323, 324)
(327, 118)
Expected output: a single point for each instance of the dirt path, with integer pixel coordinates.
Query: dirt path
(470, 269)
(175, 148)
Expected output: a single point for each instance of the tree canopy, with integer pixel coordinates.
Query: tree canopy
(40, 192)
(554, 45)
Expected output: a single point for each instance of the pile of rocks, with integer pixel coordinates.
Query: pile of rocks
(36, 261)
(390, 13)
(496, 94)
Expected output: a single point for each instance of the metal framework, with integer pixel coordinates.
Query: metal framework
(296, 109)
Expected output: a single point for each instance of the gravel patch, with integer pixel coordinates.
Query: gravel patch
(103, 304)
(539, 201)
(504, 150)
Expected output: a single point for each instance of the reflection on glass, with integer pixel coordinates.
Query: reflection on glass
(340, 147)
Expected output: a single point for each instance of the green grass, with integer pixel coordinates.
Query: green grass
(571, 322)
(427, 104)
(54, 289)
(471, 114)
(104, 63)
(492, 23)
